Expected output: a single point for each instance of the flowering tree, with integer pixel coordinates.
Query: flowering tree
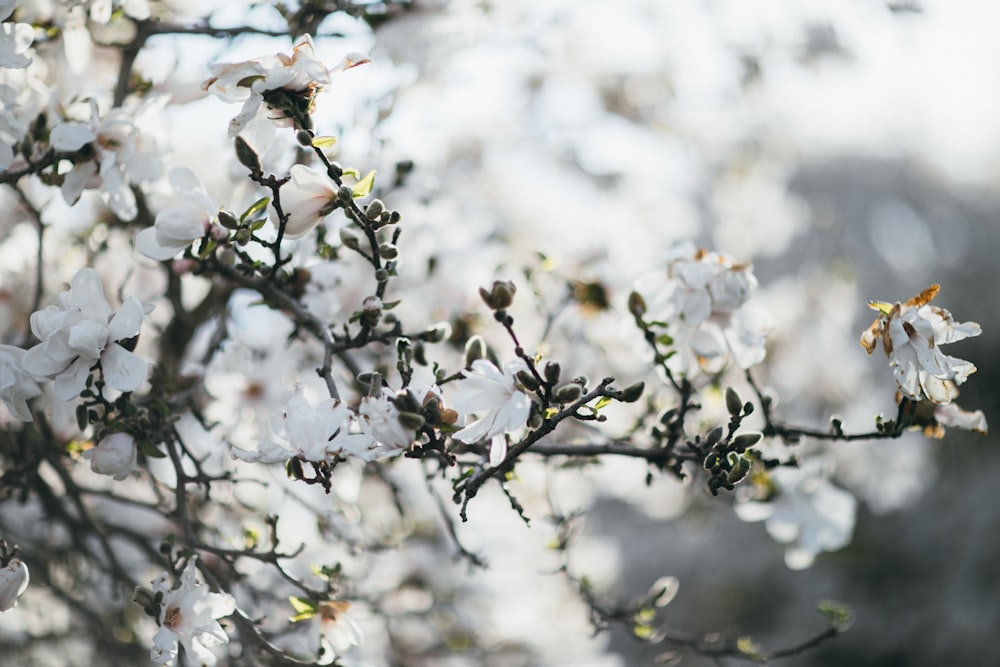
(299, 404)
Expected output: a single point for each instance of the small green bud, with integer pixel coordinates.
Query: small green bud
(633, 392)
(739, 471)
(500, 294)
(733, 402)
(744, 441)
(345, 194)
(247, 155)
(567, 393)
(527, 380)
(411, 421)
(475, 349)
(388, 251)
(304, 137)
(228, 220)
(552, 372)
(375, 209)
(436, 333)
(243, 236)
(636, 304)
(714, 436)
(349, 240)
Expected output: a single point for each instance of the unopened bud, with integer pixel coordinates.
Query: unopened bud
(348, 239)
(228, 220)
(345, 194)
(744, 441)
(567, 393)
(388, 251)
(371, 308)
(375, 209)
(304, 138)
(436, 333)
(633, 392)
(500, 294)
(475, 349)
(636, 304)
(247, 155)
(552, 372)
(527, 380)
(411, 421)
(243, 236)
(734, 404)
(739, 471)
(714, 436)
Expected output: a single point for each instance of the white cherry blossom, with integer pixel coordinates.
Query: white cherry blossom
(911, 334)
(486, 388)
(187, 618)
(82, 331)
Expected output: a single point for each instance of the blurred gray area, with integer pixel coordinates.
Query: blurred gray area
(924, 582)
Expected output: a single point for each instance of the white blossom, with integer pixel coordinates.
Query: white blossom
(177, 226)
(313, 433)
(123, 155)
(379, 419)
(114, 455)
(911, 334)
(704, 305)
(187, 618)
(486, 388)
(806, 512)
(15, 38)
(307, 199)
(17, 386)
(13, 582)
(300, 75)
(82, 331)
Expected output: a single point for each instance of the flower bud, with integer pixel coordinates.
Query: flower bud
(500, 295)
(733, 402)
(739, 471)
(436, 332)
(345, 194)
(388, 251)
(714, 436)
(744, 441)
(375, 209)
(475, 348)
(349, 240)
(247, 155)
(304, 138)
(371, 309)
(243, 236)
(228, 220)
(411, 421)
(636, 304)
(114, 455)
(633, 392)
(567, 393)
(552, 371)
(13, 582)
(527, 380)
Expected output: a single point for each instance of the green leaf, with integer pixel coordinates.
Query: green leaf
(149, 449)
(257, 224)
(837, 613)
(323, 142)
(255, 207)
(351, 171)
(363, 188)
(601, 402)
(304, 608)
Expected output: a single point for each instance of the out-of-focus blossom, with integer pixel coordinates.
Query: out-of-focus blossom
(82, 331)
(308, 198)
(115, 455)
(313, 433)
(122, 155)
(327, 635)
(13, 582)
(188, 616)
(486, 388)
(15, 38)
(704, 304)
(285, 84)
(17, 386)
(177, 226)
(805, 511)
(911, 333)
(380, 419)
